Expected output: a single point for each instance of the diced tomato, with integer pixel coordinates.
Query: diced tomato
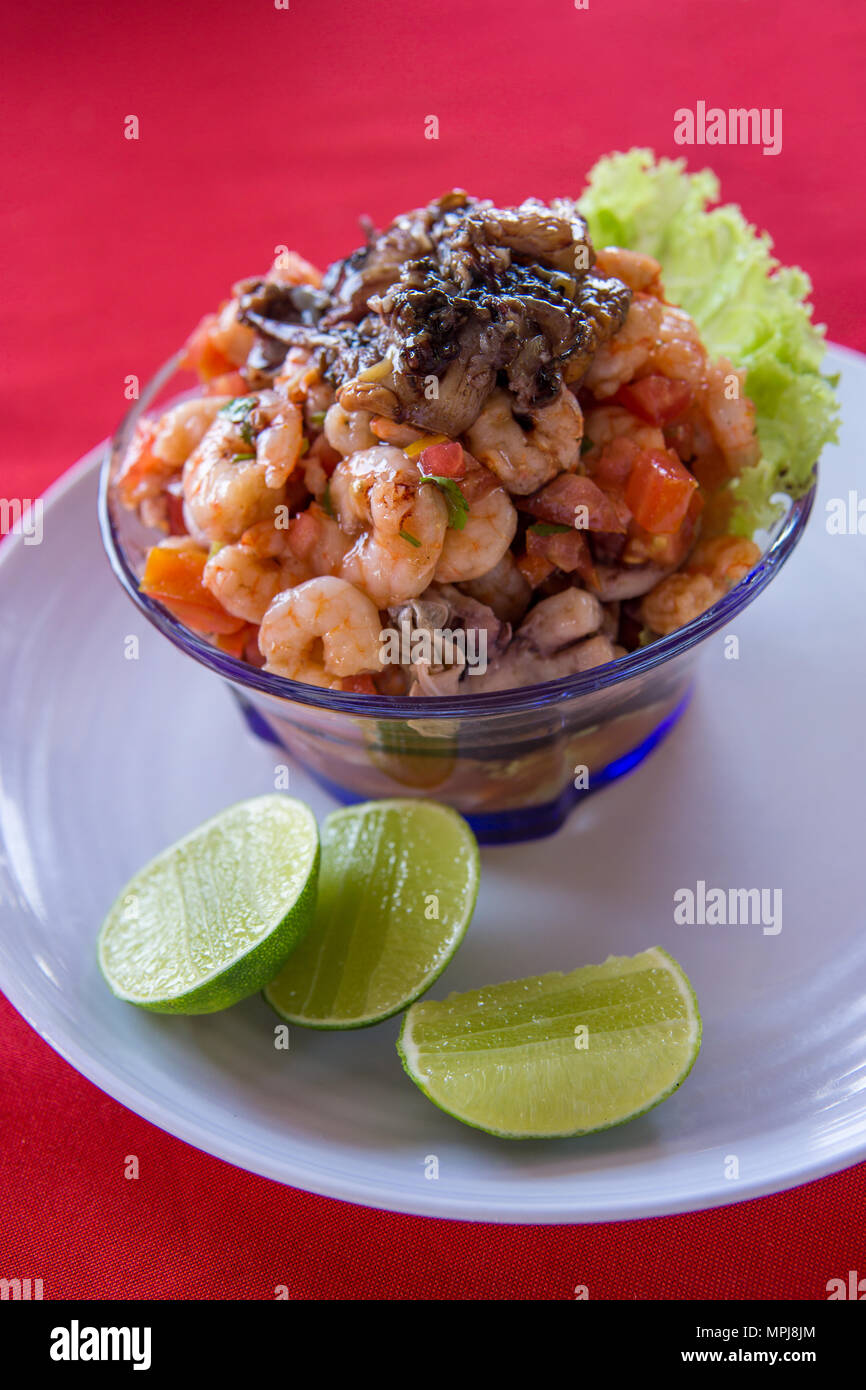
(658, 491)
(443, 460)
(572, 500)
(235, 643)
(173, 575)
(669, 550)
(535, 568)
(656, 399)
(615, 462)
(174, 501)
(359, 685)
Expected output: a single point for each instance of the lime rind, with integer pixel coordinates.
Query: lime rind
(469, 865)
(290, 824)
(409, 1053)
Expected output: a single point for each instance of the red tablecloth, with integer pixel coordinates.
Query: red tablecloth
(260, 126)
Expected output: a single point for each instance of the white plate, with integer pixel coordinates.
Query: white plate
(104, 760)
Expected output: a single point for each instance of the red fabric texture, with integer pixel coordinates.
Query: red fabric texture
(260, 127)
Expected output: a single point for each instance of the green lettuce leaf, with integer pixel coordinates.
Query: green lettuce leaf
(749, 308)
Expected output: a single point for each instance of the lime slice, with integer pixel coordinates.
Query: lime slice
(214, 917)
(397, 888)
(557, 1055)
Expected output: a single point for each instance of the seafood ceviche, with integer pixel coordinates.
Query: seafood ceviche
(478, 424)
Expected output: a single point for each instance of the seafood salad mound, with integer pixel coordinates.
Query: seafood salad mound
(479, 453)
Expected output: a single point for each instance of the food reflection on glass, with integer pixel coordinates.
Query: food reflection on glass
(491, 448)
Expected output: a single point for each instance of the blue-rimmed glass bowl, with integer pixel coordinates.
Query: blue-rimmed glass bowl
(514, 762)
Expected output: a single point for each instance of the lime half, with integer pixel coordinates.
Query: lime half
(557, 1055)
(397, 889)
(214, 917)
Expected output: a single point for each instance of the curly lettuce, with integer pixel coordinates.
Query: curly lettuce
(749, 308)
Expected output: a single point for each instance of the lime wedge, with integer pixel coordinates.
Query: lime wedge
(214, 917)
(557, 1055)
(397, 888)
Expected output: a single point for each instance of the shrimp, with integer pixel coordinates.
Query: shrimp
(321, 631)
(181, 429)
(348, 431)
(159, 449)
(400, 522)
(247, 576)
(489, 531)
(524, 460)
(504, 589)
(316, 540)
(655, 337)
(617, 360)
(392, 432)
(731, 416)
(678, 600)
(679, 352)
(638, 272)
(226, 487)
(726, 559)
(605, 423)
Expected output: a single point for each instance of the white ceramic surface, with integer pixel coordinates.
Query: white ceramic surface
(105, 759)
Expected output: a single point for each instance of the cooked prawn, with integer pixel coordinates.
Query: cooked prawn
(320, 632)
(348, 431)
(638, 272)
(525, 460)
(678, 600)
(490, 526)
(226, 487)
(604, 423)
(398, 520)
(655, 337)
(247, 575)
(617, 360)
(731, 416)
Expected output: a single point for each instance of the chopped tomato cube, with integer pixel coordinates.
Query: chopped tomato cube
(659, 491)
(656, 399)
(358, 685)
(173, 575)
(443, 460)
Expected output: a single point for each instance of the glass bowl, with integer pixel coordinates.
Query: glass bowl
(514, 762)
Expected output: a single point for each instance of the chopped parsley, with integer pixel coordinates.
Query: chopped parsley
(413, 540)
(586, 445)
(326, 503)
(238, 411)
(458, 507)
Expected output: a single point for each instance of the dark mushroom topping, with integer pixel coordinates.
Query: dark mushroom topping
(423, 322)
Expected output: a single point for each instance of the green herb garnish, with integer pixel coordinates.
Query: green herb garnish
(458, 507)
(586, 445)
(242, 458)
(326, 503)
(318, 418)
(239, 408)
(413, 540)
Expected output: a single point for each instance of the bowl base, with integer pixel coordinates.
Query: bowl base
(517, 824)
